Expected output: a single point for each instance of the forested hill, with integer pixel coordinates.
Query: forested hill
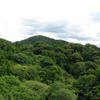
(41, 68)
(3, 41)
(34, 39)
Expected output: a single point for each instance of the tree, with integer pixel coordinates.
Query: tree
(46, 62)
(41, 89)
(26, 72)
(76, 57)
(61, 59)
(84, 85)
(51, 74)
(77, 69)
(22, 58)
(60, 92)
(98, 73)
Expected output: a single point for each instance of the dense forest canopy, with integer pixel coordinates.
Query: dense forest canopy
(41, 68)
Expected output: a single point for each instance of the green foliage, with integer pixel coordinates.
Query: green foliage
(61, 59)
(76, 57)
(94, 94)
(41, 89)
(77, 69)
(22, 58)
(41, 68)
(84, 85)
(60, 92)
(26, 72)
(63, 94)
(46, 62)
(51, 74)
(98, 73)
(40, 38)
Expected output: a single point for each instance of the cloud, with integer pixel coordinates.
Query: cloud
(55, 27)
(98, 34)
(95, 17)
(60, 28)
(71, 20)
(50, 27)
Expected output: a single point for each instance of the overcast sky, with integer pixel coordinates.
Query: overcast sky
(71, 20)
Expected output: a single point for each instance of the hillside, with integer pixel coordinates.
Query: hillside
(41, 68)
(4, 41)
(34, 39)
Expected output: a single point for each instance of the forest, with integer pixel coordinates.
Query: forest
(41, 68)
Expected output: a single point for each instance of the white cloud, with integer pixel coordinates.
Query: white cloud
(77, 13)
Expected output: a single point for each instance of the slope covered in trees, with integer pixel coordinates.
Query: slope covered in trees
(34, 39)
(40, 68)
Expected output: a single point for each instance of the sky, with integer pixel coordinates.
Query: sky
(75, 21)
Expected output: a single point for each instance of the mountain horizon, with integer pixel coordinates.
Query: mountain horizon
(42, 38)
